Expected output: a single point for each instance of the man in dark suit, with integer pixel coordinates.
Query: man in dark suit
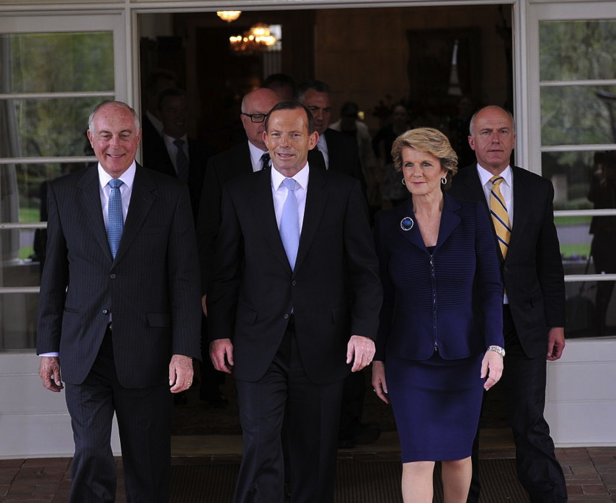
(335, 150)
(534, 303)
(243, 159)
(119, 308)
(176, 154)
(296, 274)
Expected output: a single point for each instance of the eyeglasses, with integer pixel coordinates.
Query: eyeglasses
(256, 118)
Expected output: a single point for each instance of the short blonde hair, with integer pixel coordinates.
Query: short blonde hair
(427, 139)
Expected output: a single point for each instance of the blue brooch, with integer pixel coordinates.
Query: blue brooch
(406, 224)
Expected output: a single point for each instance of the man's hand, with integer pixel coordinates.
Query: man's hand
(360, 351)
(49, 372)
(378, 380)
(203, 304)
(221, 354)
(492, 368)
(556, 343)
(180, 373)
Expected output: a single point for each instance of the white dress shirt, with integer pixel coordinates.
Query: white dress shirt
(172, 149)
(280, 193)
(322, 146)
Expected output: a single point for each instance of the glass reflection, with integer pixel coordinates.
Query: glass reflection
(20, 261)
(577, 50)
(46, 127)
(56, 62)
(578, 115)
(571, 174)
(18, 321)
(583, 318)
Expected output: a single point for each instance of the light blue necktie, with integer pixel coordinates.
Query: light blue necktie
(181, 161)
(289, 221)
(115, 218)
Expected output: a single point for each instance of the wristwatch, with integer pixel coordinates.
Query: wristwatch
(497, 349)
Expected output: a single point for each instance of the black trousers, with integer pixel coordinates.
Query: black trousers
(144, 423)
(524, 380)
(313, 414)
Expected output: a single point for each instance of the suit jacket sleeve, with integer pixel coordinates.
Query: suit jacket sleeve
(387, 309)
(362, 266)
(54, 281)
(550, 266)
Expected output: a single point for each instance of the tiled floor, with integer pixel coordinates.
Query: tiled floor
(590, 472)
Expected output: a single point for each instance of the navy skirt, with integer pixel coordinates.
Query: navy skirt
(436, 404)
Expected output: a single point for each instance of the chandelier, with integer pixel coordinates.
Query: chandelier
(258, 38)
(228, 15)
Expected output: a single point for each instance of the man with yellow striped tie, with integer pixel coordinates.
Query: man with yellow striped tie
(521, 207)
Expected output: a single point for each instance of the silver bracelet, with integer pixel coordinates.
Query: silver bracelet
(497, 349)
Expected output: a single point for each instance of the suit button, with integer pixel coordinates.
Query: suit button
(112, 276)
(293, 283)
(105, 311)
(286, 316)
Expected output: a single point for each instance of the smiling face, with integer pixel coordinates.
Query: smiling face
(492, 138)
(422, 172)
(174, 114)
(114, 138)
(288, 140)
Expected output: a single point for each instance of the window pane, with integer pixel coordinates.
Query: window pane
(47, 127)
(577, 50)
(578, 115)
(18, 321)
(571, 174)
(20, 262)
(591, 309)
(56, 62)
(575, 238)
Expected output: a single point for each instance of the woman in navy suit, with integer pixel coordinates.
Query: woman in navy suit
(440, 341)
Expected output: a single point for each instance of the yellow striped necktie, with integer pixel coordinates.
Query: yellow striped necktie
(500, 218)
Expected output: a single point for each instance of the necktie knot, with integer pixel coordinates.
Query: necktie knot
(115, 183)
(179, 143)
(265, 159)
(496, 180)
(290, 184)
(182, 165)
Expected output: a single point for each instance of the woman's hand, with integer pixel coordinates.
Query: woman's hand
(491, 367)
(378, 380)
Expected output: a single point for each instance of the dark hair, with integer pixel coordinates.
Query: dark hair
(172, 92)
(279, 79)
(156, 76)
(349, 109)
(291, 105)
(317, 85)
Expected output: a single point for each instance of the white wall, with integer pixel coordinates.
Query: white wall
(34, 422)
(581, 394)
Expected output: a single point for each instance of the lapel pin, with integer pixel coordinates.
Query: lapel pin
(406, 224)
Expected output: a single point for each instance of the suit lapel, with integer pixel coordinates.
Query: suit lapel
(90, 202)
(523, 206)
(141, 200)
(413, 235)
(263, 208)
(449, 220)
(316, 201)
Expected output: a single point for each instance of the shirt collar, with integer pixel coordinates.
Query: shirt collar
(300, 177)
(485, 175)
(255, 155)
(128, 177)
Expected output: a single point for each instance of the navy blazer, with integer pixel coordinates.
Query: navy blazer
(450, 301)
